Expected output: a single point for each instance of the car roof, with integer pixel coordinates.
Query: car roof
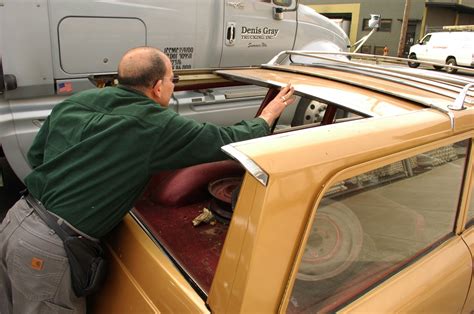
(408, 109)
(372, 91)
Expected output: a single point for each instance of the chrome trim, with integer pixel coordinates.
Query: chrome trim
(312, 94)
(459, 101)
(257, 172)
(451, 119)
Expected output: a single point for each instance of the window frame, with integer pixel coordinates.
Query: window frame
(469, 191)
(369, 165)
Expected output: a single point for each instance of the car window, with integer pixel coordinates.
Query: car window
(369, 226)
(309, 112)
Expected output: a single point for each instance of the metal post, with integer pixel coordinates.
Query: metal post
(403, 31)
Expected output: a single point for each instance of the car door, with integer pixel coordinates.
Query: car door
(384, 240)
(254, 32)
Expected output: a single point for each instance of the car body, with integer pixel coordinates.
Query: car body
(362, 202)
(450, 48)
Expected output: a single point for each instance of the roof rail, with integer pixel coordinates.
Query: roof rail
(453, 87)
(362, 56)
(448, 82)
(459, 102)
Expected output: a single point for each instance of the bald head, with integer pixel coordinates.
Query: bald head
(141, 67)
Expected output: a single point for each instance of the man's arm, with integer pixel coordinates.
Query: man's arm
(36, 153)
(184, 142)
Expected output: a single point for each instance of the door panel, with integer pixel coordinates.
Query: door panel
(392, 226)
(252, 35)
(468, 237)
(437, 283)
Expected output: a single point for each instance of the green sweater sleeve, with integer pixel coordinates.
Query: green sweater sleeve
(185, 142)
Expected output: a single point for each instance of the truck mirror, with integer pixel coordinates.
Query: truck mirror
(283, 3)
(374, 21)
(282, 6)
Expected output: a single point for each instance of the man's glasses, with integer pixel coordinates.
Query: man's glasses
(174, 79)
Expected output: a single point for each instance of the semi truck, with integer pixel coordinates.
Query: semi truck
(51, 49)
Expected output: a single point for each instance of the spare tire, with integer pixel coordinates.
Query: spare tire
(334, 244)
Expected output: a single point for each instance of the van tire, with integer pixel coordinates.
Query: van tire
(451, 61)
(413, 64)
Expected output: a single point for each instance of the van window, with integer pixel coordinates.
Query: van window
(426, 39)
(370, 226)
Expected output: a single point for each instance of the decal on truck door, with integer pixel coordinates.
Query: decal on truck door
(181, 57)
(252, 33)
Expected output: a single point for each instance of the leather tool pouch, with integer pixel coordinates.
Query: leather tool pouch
(86, 257)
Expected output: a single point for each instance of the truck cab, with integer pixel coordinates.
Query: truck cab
(60, 47)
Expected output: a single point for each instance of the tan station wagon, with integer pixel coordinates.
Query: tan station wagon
(361, 200)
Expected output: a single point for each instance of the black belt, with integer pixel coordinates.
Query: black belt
(49, 219)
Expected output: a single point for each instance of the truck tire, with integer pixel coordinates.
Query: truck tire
(451, 61)
(413, 64)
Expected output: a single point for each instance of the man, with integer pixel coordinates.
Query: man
(91, 159)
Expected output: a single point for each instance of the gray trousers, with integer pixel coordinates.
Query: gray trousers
(34, 269)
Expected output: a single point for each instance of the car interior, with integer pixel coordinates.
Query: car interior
(175, 199)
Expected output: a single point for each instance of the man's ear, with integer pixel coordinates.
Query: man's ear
(157, 88)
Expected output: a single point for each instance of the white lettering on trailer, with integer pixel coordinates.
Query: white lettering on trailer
(181, 57)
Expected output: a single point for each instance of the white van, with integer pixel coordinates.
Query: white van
(451, 48)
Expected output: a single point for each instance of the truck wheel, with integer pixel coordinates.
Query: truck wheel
(437, 67)
(451, 61)
(413, 64)
(308, 111)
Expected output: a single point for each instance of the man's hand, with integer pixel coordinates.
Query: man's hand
(274, 109)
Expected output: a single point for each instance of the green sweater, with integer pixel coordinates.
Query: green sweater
(97, 150)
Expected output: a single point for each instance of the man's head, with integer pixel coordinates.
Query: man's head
(149, 70)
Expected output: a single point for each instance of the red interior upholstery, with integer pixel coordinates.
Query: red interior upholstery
(189, 185)
(173, 199)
